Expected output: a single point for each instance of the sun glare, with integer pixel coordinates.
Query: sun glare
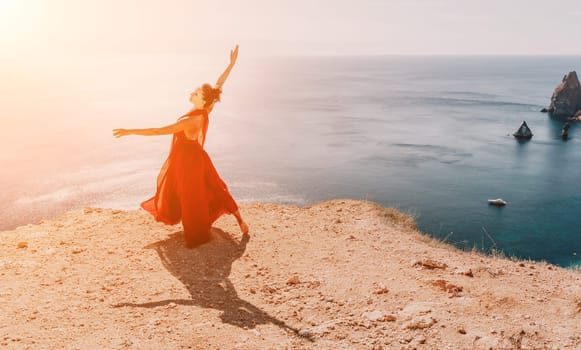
(19, 21)
(5, 5)
(8, 14)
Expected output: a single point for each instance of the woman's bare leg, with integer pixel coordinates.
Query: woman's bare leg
(243, 226)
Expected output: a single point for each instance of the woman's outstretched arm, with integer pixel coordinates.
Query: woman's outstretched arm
(189, 123)
(224, 76)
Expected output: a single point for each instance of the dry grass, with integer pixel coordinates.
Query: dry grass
(398, 218)
(408, 224)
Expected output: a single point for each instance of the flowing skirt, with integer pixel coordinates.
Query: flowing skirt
(190, 190)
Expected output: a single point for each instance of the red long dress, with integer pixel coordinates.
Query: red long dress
(189, 188)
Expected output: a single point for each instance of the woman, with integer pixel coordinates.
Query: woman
(189, 188)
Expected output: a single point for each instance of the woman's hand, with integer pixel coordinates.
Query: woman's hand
(120, 132)
(233, 55)
(233, 58)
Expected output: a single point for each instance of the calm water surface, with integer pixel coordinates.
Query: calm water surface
(429, 135)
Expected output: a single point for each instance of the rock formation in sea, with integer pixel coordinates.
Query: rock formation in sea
(565, 131)
(523, 132)
(566, 99)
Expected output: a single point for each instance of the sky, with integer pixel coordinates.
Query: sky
(291, 27)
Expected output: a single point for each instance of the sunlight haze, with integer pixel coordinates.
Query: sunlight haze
(416, 27)
(407, 103)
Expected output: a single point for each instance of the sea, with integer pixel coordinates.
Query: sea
(429, 135)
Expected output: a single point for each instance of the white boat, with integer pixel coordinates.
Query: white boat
(499, 202)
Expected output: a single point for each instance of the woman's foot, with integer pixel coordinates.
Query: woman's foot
(243, 227)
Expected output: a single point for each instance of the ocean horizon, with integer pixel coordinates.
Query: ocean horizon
(429, 135)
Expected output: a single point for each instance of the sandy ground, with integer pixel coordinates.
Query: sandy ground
(337, 275)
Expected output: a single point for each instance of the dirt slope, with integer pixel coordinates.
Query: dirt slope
(337, 275)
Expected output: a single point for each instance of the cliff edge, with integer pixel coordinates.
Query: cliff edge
(342, 274)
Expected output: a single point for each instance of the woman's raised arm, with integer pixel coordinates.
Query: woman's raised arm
(224, 76)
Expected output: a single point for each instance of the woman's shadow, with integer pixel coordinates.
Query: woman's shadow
(205, 272)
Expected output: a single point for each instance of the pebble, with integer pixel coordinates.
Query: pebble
(293, 280)
(374, 315)
(468, 273)
(406, 339)
(268, 289)
(381, 290)
(420, 323)
(255, 332)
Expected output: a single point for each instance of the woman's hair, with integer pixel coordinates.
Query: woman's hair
(211, 95)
